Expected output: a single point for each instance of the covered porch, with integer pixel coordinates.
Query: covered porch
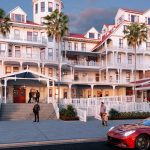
(15, 87)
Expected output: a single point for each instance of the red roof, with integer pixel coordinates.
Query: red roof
(141, 81)
(75, 35)
(132, 11)
(106, 36)
(31, 22)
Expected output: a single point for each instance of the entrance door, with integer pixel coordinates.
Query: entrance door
(19, 95)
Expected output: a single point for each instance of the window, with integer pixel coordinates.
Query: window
(15, 69)
(8, 69)
(50, 92)
(148, 45)
(117, 76)
(119, 58)
(129, 59)
(91, 35)
(83, 47)
(35, 36)
(63, 45)
(28, 52)
(17, 34)
(42, 6)
(42, 54)
(50, 39)
(148, 21)
(50, 72)
(76, 76)
(29, 36)
(69, 46)
(97, 77)
(75, 46)
(2, 49)
(50, 6)
(120, 43)
(148, 33)
(18, 17)
(128, 76)
(57, 6)
(17, 51)
(132, 18)
(50, 54)
(36, 8)
(57, 54)
(42, 70)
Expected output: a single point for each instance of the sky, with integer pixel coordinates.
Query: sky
(84, 14)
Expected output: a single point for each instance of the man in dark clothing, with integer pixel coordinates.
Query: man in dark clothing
(37, 95)
(36, 110)
(30, 96)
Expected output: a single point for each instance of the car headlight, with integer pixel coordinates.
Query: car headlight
(129, 133)
(111, 128)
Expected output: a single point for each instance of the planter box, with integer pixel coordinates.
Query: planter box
(66, 118)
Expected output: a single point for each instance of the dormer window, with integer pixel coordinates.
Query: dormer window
(134, 18)
(18, 18)
(91, 35)
(36, 8)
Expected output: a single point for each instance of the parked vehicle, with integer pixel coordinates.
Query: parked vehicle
(131, 135)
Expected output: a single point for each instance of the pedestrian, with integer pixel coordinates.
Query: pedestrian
(37, 96)
(105, 118)
(102, 112)
(36, 110)
(30, 96)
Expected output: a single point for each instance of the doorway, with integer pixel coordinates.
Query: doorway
(19, 95)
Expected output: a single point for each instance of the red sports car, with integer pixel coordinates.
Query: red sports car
(131, 135)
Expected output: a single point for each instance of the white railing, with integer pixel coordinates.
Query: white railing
(56, 108)
(30, 39)
(82, 114)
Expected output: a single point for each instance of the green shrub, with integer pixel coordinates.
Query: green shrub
(68, 113)
(114, 113)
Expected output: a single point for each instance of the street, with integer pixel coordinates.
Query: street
(74, 146)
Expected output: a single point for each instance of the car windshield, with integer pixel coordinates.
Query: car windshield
(146, 122)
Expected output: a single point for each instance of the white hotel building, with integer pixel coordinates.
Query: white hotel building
(94, 64)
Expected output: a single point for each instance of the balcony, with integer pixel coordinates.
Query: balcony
(124, 49)
(82, 63)
(39, 41)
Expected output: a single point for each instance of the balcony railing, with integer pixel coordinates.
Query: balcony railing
(82, 63)
(30, 40)
(125, 49)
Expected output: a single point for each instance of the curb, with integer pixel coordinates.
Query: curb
(56, 142)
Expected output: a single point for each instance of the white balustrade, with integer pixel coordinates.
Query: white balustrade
(82, 114)
(56, 108)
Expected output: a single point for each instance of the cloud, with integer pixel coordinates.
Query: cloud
(82, 22)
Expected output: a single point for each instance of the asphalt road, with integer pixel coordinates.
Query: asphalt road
(72, 146)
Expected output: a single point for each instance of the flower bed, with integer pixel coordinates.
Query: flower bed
(68, 114)
(115, 115)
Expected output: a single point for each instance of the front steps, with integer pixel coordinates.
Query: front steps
(25, 112)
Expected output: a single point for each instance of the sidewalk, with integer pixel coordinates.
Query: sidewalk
(53, 130)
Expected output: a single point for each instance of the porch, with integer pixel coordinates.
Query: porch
(15, 87)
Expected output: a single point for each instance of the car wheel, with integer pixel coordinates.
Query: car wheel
(142, 142)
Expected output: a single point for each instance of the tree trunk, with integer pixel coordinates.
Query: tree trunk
(135, 72)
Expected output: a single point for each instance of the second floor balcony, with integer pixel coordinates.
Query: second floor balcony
(31, 40)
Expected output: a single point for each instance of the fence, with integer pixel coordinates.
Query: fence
(91, 107)
(82, 114)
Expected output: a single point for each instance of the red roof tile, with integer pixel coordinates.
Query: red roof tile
(31, 22)
(141, 81)
(132, 11)
(75, 35)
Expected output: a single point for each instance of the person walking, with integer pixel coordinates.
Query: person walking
(36, 110)
(102, 112)
(30, 96)
(37, 96)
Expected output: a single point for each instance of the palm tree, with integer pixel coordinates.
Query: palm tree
(57, 26)
(4, 23)
(135, 34)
